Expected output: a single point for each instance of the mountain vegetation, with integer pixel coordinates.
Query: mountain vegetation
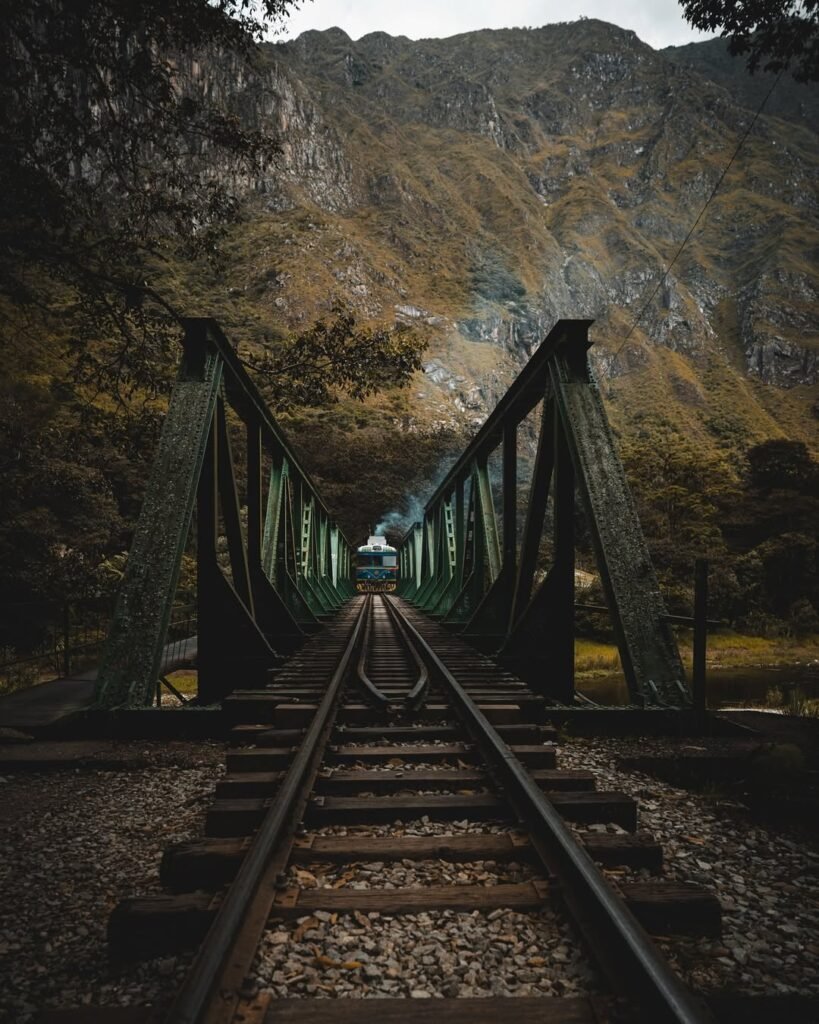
(484, 186)
(437, 204)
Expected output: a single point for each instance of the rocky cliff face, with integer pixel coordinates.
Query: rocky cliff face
(488, 184)
(790, 100)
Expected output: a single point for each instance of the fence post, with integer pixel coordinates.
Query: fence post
(700, 639)
(66, 639)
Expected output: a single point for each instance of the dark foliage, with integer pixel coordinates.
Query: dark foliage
(782, 464)
(337, 355)
(373, 468)
(758, 529)
(775, 34)
(103, 133)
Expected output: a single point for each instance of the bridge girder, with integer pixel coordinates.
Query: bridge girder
(496, 603)
(262, 583)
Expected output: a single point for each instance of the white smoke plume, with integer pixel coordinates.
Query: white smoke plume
(396, 524)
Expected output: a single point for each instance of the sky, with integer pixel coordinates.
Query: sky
(657, 22)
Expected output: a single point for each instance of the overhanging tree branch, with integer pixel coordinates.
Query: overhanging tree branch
(775, 34)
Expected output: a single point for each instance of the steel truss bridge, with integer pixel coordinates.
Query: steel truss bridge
(271, 563)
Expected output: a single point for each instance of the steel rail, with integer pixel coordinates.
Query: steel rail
(417, 696)
(621, 945)
(374, 695)
(202, 986)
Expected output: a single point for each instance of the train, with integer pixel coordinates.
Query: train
(376, 566)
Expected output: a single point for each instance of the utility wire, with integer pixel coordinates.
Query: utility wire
(687, 238)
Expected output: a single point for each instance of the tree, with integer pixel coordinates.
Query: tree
(115, 165)
(680, 490)
(107, 140)
(776, 34)
(782, 464)
(337, 356)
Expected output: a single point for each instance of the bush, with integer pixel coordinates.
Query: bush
(16, 676)
(803, 618)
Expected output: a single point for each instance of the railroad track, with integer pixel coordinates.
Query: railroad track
(384, 719)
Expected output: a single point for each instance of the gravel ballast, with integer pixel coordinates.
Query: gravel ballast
(72, 845)
(408, 874)
(767, 883)
(417, 827)
(442, 954)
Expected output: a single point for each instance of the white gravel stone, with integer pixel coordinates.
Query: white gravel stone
(72, 845)
(440, 954)
(767, 883)
(409, 874)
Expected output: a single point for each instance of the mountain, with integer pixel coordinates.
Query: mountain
(480, 188)
(788, 99)
(485, 185)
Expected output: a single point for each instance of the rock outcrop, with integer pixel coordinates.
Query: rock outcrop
(493, 182)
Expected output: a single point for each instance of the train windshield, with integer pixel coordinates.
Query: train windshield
(376, 569)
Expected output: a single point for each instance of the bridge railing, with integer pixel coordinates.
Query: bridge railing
(45, 640)
(465, 563)
(270, 559)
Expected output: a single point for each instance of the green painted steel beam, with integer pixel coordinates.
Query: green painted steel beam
(231, 513)
(648, 650)
(272, 616)
(487, 521)
(535, 511)
(132, 653)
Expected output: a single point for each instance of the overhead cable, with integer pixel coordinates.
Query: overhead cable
(687, 238)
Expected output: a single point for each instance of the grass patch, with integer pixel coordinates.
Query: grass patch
(592, 658)
(792, 701)
(736, 650)
(725, 650)
(185, 680)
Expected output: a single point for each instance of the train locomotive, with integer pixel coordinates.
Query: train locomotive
(376, 566)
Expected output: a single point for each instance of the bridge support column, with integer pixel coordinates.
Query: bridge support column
(488, 626)
(560, 623)
(278, 625)
(132, 655)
